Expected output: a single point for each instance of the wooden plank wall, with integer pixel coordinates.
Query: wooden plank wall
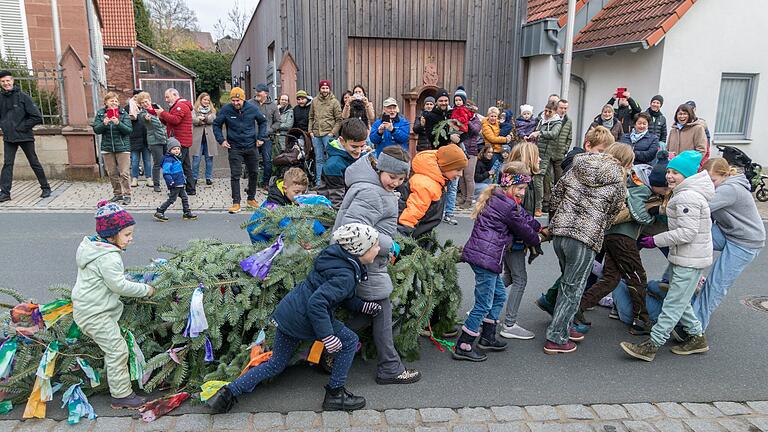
(408, 19)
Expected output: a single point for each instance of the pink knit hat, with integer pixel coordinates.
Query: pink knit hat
(111, 219)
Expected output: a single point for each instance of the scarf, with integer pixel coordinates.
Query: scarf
(204, 110)
(634, 136)
(607, 123)
(653, 113)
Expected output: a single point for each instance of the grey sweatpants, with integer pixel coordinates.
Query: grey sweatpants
(575, 260)
(515, 278)
(389, 363)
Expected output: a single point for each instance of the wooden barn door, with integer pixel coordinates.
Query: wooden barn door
(391, 67)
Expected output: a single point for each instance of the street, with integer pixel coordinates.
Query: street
(38, 251)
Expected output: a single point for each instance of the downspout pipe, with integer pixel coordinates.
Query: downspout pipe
(133, 69)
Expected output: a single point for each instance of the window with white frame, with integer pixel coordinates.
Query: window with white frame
(735, 106)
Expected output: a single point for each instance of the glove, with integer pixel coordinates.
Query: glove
(534, 252)
(394, 252)
(371, 308)
(332, 344)
(405, 231)
(545, 235)
(647, 243)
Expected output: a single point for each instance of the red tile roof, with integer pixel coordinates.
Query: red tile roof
(118, 24)
(623, 22)
(541, 9)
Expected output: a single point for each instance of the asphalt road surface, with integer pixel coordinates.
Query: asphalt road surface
(37, 250)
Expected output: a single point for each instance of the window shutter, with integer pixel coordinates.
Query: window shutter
(14, 41)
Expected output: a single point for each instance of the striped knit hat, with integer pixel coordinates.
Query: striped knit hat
(111, 219)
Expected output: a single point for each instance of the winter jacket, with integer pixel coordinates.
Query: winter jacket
(548, 140)
(271, 112)
(735, 213)
(424, 143)
(178, 121)
(587, 199)
(101, 281)
(307, 311)
(501, 223)
(617, 130)
(658, 125)
(433, 118)
(156, 133)
(473, 138)
(332, 179)
(115, 138)
(690, 228)
(507, 127)
(463, 115)
(399, 135)
(564, 139)
(286, 119)
(325, 116)
(173, 172)
(482, 170)
(690, 136)
(275, 198)
(202, 124)
(626, 114)
(637, 214)
(367, 202)
(241, 125)
(422, 200)
(525, 127)
(138, 133)
(491, 136)
(301, 117)
(18, 115)
(645, 148)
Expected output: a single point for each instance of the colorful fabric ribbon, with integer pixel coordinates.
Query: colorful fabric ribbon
(55, 310)
(92, 375)
(157, 408)
(7, 353)
(196, 320)
(173, 353)
(26, 319)
(6, 406)
(209, 388)
(208, 350)
(312, 199)
(77, 404)
(260, 264)
(73, 334)
(35, 407)
(136, 361)
(42, 391)
(257, 357)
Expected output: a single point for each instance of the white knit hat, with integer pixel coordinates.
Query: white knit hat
(526, 108)
(356, 238)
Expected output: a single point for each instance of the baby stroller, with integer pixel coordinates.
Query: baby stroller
(752, 171)
(298, 153)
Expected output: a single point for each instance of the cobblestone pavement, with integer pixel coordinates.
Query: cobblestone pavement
(634, 417)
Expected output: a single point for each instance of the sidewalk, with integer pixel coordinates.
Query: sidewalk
(635, 417)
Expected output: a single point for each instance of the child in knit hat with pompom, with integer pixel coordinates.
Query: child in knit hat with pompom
(96, 296)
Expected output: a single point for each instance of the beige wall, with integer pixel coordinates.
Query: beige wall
(52, 152)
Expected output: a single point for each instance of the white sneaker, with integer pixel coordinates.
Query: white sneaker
(134, 182)
(515, 332)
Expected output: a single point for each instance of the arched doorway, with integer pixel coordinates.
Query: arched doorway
(414, 104)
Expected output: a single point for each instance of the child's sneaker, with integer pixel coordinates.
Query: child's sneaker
(450, 220)
(544, 305)
(132, 401)
(160, 216)
(614, 313)
(679, 334)
(640, 328)
(189, 216)
(515, 332)
(694, 345)
(553, 348)
(645, 350)
(575, 335)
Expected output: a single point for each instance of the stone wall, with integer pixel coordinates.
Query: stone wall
(119, 76)
(51, 148)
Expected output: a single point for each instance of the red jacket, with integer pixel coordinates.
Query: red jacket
(178, 121)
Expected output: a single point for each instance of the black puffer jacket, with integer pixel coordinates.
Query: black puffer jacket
(658, 124)
(138, 134)
(18, 115)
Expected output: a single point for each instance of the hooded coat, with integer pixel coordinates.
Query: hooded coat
(491, 135)
(367, 202)
(735, 213)
(301, 116)
(156, 133)
(547, 142)
(173, 173)
(399, 135)
(587, 199)
(690, 228)
(178, 121)
(101, 281)
(422, 200)
(332, 185)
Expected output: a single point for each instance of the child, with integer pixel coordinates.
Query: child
(585, 201)
(371, 200)
(173, 174)
(460, 112)
(484, 170)
(96, 296)
(282, 192)
(527, 153)
(157, 137)
(690, 251)
(622, 258)
(526, 122)
(342, 152)
(499, 221)
(306, 314)
(422, 199)
(507, 125)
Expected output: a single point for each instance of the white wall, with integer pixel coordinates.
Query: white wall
(712, 38)
(543, 80)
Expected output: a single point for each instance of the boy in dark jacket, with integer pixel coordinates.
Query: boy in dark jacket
(173, 173)
(342, 152)
(306, 314)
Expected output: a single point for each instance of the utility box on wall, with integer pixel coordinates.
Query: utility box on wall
(539, 38)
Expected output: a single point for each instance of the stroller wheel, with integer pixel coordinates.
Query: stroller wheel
(762, 194)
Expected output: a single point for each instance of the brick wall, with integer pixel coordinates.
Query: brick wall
(119, 76)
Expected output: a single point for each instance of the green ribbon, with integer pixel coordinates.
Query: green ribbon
(92, 375)
(136, 360)
(7, 353)
(6, 407)
(73, 334)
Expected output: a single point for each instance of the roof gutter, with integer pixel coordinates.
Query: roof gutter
(629, 45)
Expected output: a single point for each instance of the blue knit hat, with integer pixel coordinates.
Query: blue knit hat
(686, 163)
(261, 87)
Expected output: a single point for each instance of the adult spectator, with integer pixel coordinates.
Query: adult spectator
(563, 144)
(688, 132)
(202, 137)
(424, 143)
(139, 147)
(242, 141)
(439, 113)
(546, 136)
(268, 107)
(626, 111)
(608, 120)
(18, 115)
(358, 106)
(553, 98)
(390, 129)
(658, 124)
(345, 97)
(324, 124)
(692, 104)
(301, 111)
(114, 126)
(644, 143)
(490, 131)
(178, 122)
(157, 136)
(286, 120)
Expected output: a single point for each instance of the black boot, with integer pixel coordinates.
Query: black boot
(470, 354)
(46, 192)
(340, 399)
(488, 339)
(222, 401)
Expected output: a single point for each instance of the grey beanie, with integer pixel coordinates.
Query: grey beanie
(261, 87)
(429, 99)
(391, 164)
(172, 142)
(356, 238)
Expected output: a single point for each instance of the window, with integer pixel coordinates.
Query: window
(144, 66)
(735, 106)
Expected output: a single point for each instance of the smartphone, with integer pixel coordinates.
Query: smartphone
(385, 118)
(357, 96)
(155, 106)
(620, 92)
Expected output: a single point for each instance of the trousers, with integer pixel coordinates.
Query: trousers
(158, 151)
(238, 156)
(9, 157)
(515, 277)
(490, 295)
(389, 363)
(173, 194)
(118, 166)
(106, 333)
(575, 260)
(677, 305)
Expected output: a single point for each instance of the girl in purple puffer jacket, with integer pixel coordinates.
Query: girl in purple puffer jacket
(500, 220)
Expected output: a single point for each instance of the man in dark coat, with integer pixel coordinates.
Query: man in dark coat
(439, 113)
(658, 124)
(626, 111)
(301, 111)
(18, 115)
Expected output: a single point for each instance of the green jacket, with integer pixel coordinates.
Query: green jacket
(101, 281)
(547, 142)
(325, 116)
(564, 139)
(115, 138)
(156, 132)
(637, 195)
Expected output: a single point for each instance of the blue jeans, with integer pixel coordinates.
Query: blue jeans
(654, 297)
(208, 163)
(146, 157)
(282, 351)
(450, 198)
(320, 144)
(266, 162)
(480, 187)
(490, 295)
(725, 270)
